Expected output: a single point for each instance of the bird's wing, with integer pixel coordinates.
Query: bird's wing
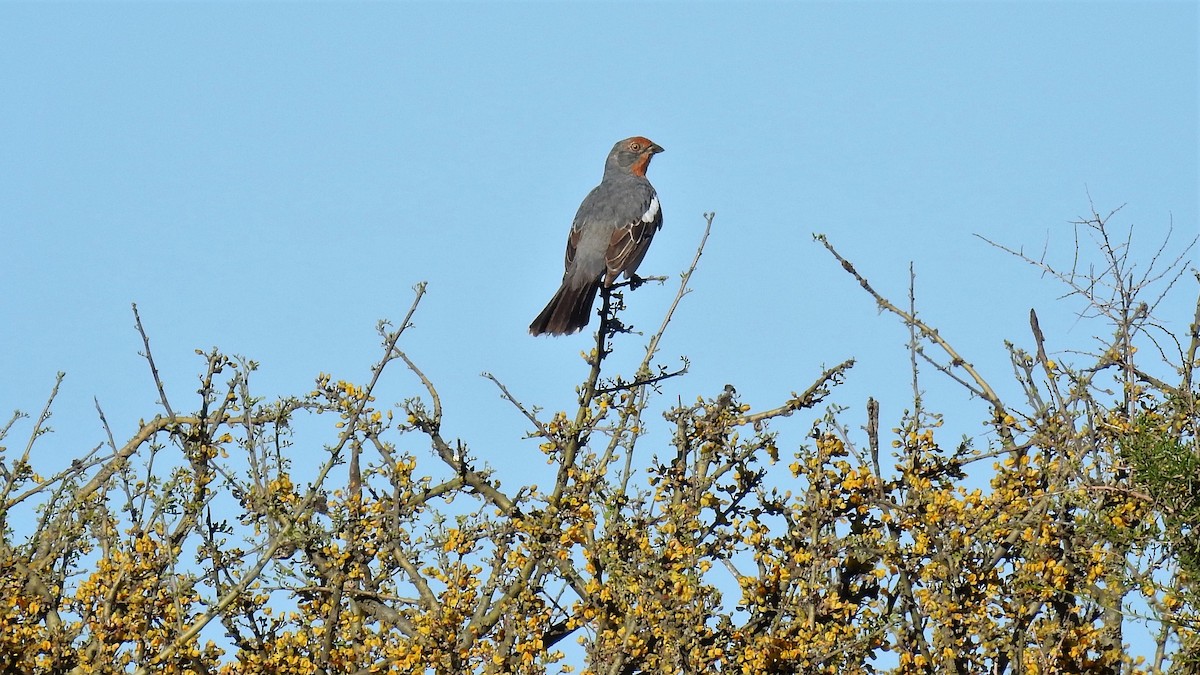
(572, 245)
(629, 242)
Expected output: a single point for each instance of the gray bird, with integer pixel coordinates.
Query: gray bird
(610, 236)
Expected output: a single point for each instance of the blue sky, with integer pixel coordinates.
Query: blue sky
(273, 179)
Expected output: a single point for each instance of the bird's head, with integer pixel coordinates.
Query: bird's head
(633, 155)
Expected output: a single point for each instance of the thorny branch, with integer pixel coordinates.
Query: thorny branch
(835, 560)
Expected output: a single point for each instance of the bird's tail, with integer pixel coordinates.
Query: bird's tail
(568, 311)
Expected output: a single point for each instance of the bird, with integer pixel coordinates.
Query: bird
(609, 237)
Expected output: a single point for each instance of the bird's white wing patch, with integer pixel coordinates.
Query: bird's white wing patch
(652, 212)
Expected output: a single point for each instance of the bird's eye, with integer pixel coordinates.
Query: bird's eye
(635, 147)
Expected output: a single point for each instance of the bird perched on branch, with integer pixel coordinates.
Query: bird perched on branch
(610, 236)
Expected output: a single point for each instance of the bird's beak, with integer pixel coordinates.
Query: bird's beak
(655, 148)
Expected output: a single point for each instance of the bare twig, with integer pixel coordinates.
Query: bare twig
(815, 393)
(39, 428)
(162, 392)
(652, 346)
(929, 333)
(529, 414)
